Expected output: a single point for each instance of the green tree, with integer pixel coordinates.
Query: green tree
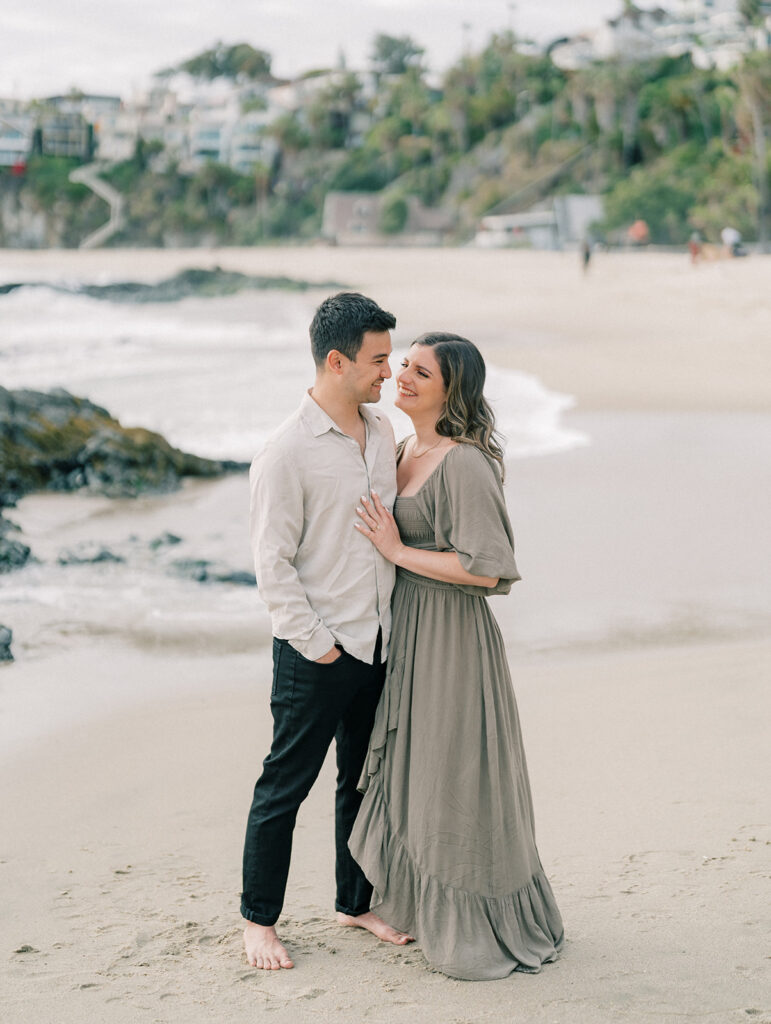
(240, 61)
(332, 110)
(754, 77)
(289, 132)
(751, 11)
(393, 55)
(393, 214)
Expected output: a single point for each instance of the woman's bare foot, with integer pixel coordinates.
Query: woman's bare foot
(263, 948)
(372, 923)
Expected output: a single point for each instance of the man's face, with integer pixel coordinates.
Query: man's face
(364, 376)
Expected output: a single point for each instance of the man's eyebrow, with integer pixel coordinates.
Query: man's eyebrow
(381, 355)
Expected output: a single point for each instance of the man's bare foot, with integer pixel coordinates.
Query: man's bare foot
(372, 923)
(263, 948)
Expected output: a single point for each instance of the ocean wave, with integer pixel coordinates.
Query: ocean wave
(216, 375)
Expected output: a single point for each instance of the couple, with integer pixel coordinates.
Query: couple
(441, 844)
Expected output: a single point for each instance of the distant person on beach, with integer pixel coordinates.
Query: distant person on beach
(732, 241)
(586, 254)
(638, 233)
(694, 247)
(330, 607)
(445, 832)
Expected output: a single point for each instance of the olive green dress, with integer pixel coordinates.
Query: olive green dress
(445, 832)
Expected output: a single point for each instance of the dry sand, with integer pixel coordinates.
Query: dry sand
(123, 845)
(644, 699)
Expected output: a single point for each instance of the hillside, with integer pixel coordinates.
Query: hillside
(682, 148)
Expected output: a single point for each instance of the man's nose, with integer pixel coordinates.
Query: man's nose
(385, 371)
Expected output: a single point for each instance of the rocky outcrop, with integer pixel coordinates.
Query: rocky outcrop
(195, 281)
(203, 571)
(165, 540)
(55, 441)
(13, 552)
(88, 553)
(6, 636)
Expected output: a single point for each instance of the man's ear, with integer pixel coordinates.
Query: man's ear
(335, 361)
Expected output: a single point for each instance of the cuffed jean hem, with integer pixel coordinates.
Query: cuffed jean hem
(256, 918)
(352, 913)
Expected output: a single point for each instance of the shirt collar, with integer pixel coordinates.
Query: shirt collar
(320, 422)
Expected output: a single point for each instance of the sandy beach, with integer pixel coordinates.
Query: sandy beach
(640, 650)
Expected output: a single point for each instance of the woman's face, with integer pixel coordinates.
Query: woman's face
(419, 385)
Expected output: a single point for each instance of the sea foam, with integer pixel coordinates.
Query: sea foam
(215, 376)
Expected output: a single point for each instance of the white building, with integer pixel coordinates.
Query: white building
(250, 144)
(116, 134)
(557, 223)
(197, 122)
(228, 136)
(712, 31)
(630, 36)
(353, 218)
(15, 138)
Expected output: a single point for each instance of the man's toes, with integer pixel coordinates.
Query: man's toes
(258, 962)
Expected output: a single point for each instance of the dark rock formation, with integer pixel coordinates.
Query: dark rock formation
(54, 441)
(194, 281)
(6, 636)
(58, 442)
(13, 553)
(202, 571)
(164, 540)
(88, 553)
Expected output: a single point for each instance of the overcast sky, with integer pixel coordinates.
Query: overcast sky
(49, 46)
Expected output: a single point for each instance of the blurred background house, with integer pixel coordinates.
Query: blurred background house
(557, 223)
(365, 218)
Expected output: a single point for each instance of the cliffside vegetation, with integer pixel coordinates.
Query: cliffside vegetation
(679, 147)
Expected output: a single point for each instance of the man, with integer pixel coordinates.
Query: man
(329, 595)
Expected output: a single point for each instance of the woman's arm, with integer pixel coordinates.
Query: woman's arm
(380, 527)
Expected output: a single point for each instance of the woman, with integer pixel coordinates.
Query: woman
(445, 831)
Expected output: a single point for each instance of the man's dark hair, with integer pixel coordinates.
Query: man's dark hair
(342, 320)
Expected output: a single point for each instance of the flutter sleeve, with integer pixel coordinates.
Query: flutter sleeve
(470, 517)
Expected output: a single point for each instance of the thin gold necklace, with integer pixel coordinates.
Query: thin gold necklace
(414, 454)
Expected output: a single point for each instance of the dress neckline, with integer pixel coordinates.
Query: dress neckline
(434, 470)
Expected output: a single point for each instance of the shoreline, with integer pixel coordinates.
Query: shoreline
(605, 568)
(649, 332)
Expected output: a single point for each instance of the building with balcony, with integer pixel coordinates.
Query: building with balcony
(16, 135)
(712, 31)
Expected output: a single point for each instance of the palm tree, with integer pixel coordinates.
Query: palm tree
(755, 84)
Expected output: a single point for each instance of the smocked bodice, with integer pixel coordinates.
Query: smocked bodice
(414, 528)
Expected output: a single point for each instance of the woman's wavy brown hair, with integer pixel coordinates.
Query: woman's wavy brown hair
(467, 416)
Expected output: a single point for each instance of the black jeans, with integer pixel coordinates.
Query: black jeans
(311, 704)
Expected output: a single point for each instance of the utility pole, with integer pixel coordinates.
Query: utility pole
(466, 30)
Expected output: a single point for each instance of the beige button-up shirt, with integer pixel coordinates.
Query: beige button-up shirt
(323, 582)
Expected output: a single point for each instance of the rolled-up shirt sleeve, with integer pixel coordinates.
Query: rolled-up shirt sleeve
(276, 527)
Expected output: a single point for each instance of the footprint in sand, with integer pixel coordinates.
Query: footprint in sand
(310, 993)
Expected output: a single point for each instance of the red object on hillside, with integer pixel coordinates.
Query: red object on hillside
(19, 169)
